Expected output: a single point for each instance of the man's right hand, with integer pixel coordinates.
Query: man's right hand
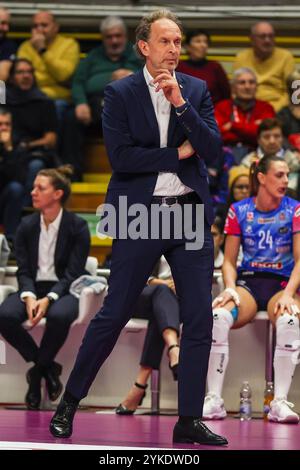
(185, 150)
(83, 113)
(30, 308)
(38, 40)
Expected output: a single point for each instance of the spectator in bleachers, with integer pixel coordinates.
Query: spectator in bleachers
(270, 142)
(159, 304)
(271, 64)
(238, 118)
(8, 48)
(267, 225)
(12, 177)
(51, 251)
(112, 60)
(197, 65)
(238, 189)
(34, 121)
(290, 115)
(54, 58)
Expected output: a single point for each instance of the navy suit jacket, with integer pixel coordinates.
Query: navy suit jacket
(132, 140)
(71, 252)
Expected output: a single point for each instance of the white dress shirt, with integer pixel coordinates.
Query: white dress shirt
(47, 246)
(167, 184)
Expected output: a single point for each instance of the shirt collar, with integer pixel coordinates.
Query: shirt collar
(56, 222)
(280, 153)
(149, 78)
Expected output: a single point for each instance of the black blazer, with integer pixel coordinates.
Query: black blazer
(71, 252)
(131, 136)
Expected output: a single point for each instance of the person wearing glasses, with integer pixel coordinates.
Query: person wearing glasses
(34, 123)
(238, 118)
(271, 64)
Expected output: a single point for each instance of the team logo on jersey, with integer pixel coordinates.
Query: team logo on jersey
(250, 216)
(249, 242)
(283, 249)
(266, 265)
(248, 229)
(266, 220)
(282, 215)
(280, 241)
(283, 230)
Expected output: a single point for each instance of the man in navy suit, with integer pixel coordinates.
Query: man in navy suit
(159, 129)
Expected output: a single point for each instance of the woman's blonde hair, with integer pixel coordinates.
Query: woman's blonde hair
(60, 178)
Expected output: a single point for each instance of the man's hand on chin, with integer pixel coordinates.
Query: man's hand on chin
(169, 85)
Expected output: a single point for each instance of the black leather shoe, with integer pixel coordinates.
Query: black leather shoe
(53, 384)
(196, 432)
(61, 424)
(33, 395)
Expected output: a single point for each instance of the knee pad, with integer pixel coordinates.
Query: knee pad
(287, 332)
(223, 321)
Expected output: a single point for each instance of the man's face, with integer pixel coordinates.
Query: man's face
(5, 123)
(263, 39)
(197, 48)
(44, 23)
(244, 87)
(162, 50)
(271, 141)
(4, 23)
(23, 77)
(114, 41)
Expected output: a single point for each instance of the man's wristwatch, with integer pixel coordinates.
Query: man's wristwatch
(182, 109)
(50, 298)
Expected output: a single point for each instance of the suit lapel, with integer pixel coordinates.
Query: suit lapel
(35, 237)
(142, 92)
(61, 237)
(173, 123)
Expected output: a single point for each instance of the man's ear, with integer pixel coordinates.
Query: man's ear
(59, 194)
(144, 48)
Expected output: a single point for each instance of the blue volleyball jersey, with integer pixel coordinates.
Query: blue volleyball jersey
(266, 237)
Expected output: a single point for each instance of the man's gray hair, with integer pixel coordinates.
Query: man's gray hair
(240, 71)
(112, 22)
(142, 32)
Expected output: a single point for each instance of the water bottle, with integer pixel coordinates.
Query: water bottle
(245, 402)
(269, 395)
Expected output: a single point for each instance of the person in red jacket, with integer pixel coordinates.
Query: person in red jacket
(239, 117)
(197, 65)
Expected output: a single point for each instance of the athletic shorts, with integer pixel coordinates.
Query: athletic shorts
(261, 285)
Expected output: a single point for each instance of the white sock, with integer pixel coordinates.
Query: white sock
(217, 366)
(284, 369)
(219, 354)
